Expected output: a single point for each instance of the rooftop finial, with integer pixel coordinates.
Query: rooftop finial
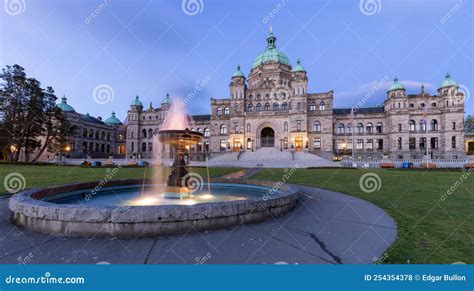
(238, 67)
(395, 79)
(270, 29)
(422, 89)
(448, 75)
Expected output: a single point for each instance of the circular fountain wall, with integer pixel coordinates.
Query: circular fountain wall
(54, 210)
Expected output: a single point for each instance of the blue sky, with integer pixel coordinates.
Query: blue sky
(150, 47)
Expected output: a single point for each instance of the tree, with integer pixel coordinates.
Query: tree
(31, 119)
(469, 123)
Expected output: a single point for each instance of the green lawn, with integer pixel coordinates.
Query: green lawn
(36, 176)
(430, 230)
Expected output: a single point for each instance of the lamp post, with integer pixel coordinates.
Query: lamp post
(13, 150)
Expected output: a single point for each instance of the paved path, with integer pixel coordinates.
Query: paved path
(326, 227)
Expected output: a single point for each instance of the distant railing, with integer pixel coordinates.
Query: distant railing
(398, 163)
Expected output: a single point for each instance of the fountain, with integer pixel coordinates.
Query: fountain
(148, 207)
(179, 140)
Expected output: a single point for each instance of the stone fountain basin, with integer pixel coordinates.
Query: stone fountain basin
(31, 212)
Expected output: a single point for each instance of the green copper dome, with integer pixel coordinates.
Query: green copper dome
(448, 82)
(64, 106)
(298, 67)
(396, 85)
(137, 102)
(238, 73)
(271, 54)
(112, 120)
(167, 99)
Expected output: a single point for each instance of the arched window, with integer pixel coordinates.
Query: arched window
(226, 111)
(199, 129)
(249, 128)
(340, 128)
(317, 126)
(144, 133)
(349, 128)
(150, 133)
(285, 127)
(422, 125)
(267, 106)
(250, 107)
(370, 128)
(223, 129)
(312, 106)
(322, 105)
(434, 125)
(276, 106)
(284, 106)
(219, 111)
(360, 128)
(412, 125)
(206, 132)
(379, 127)
(259, 107)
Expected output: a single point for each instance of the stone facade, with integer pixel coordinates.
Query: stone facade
(272, 108)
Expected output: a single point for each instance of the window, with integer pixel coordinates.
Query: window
(223, 145)
(276, 106)
(340, 128)
(380, 144)
(370, 144)
(341, 144)
(219, 111)
(298, 125)
(360, 128)
(453, 142)
(454, 125)
(132, 146)
(412, 143)
(150, 146)
(422, 125)
(322, 106)
(267, 106)
(349, 128)
(144, 133)
(400, 143)
(422, 143)
(206, 132)
(250, 107)
(259, 107)
(412, 125)
(223, 129)
(150, 133)
(400, 127)
(434, 125)
(360, 144)
(369, 128)
(144, 147)
(226, 111)
(412, 105)
(312, 106)
(434, 142)
(285, 126)
(249, 128)
(317, 126)
(317, 143)
(379, 128)
(284, 106)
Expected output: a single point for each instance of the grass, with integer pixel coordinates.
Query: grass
(48, 175)
(431, 230)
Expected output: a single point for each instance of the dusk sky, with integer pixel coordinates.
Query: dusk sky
(149, 48)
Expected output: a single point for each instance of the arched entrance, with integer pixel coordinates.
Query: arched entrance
(267, 138)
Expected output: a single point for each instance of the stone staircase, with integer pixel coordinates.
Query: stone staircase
(270, 158)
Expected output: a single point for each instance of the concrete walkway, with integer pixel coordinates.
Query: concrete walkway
(327, 227)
